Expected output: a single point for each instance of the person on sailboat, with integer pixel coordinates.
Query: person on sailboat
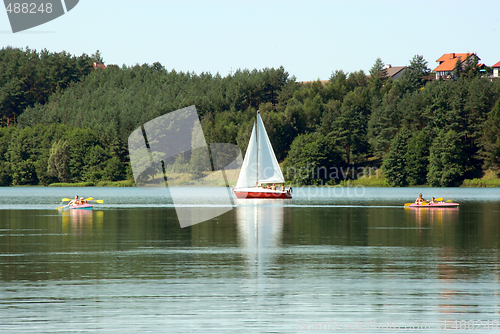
(273, 187)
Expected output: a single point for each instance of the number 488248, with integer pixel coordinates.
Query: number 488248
(29, 8)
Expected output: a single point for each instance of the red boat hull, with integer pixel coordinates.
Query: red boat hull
(264, 193)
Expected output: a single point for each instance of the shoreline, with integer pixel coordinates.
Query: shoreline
(346, 185)
(217, 181)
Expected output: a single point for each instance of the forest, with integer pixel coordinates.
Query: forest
(64, 121)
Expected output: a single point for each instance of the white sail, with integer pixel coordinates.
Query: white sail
(269, 170)
(260, 164)
(248, 173)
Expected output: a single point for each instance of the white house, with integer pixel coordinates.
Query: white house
(447, 63)
(496, 70)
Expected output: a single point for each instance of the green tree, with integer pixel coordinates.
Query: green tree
(311, 158)
(200, 162)
(471, 67)
(95, 162)
(86, 156)
(446, 160)
(350, 127)
(419, 66)
(58, 161)
(23, 152)
(413, 74)
(395, 164)
(28, 77)
(378, 69)
(384, 122)
(24, 173)
(491, 138)
(6, 135)
(97, 57)
(114, 170)
(458, 69)
(417, 159)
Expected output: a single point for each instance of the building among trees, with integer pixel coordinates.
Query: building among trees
(448, 63)
(394, 72)
(496, 70)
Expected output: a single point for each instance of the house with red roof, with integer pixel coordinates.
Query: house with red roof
(447, 63)
(496, 70)
(99, 66)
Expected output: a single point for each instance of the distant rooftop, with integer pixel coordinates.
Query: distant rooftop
(394, 71)
(97, 66)
(324, 82)
(448, 61)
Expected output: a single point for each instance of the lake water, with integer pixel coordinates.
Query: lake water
(330, 260)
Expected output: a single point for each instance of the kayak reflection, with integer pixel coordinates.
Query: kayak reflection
(430, 215)
(79, 218)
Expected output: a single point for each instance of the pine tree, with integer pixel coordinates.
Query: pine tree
(446, 160)
(351, 126)
(491, 138)
(412, 78)
(395, 161)
(417, 159)
(378, 69)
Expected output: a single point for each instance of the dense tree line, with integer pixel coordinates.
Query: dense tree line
(437, 132)
(28, 77)
(446, 133)
(45, 154)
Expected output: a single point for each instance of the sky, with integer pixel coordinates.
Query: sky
(310, 39)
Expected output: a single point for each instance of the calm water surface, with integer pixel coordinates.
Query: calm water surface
(351, 260)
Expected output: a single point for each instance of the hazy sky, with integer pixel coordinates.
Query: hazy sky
(310, 39)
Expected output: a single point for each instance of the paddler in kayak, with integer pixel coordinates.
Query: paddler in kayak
(419, 199)
(75, 201)
(433, 200)
(78, 201)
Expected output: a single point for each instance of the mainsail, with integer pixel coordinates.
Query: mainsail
(260, 164)
(269, 170)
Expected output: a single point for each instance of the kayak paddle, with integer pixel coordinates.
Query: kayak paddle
(100, 201)
(423, 203)
(441, 199)
(69, 199)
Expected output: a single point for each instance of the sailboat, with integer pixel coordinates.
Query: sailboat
(260, 167)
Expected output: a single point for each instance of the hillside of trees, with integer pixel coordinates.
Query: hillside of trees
(63, 121)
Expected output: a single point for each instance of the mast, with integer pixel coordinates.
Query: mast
(257, 140)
